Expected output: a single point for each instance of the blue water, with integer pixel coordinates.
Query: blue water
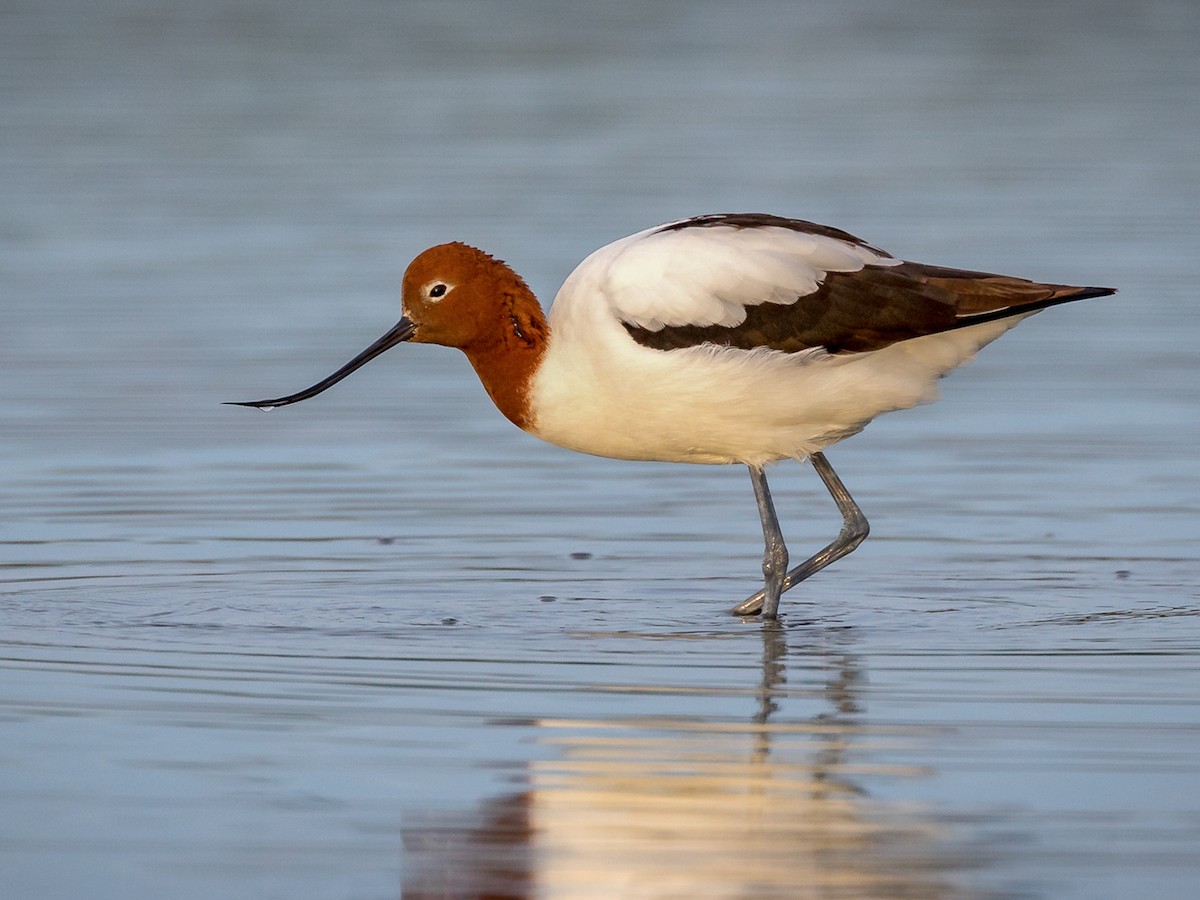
(384, 644)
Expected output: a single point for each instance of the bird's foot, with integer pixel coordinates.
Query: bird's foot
(751, 606)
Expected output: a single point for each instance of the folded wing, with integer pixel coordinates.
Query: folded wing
(748, 281)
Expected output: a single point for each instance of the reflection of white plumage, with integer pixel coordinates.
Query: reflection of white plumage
(725, 338)
(699, 808)
(676, 811)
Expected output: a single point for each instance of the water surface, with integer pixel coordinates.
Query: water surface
(383, 643)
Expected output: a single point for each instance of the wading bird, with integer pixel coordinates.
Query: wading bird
(736, 338)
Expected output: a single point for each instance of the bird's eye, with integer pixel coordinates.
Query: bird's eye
(438, 290)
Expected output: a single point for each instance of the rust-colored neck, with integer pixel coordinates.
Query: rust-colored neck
(507, 360)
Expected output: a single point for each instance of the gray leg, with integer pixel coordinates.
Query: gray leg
(854, 531)
(775, 552)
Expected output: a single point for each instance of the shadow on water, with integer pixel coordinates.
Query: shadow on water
(692, 807)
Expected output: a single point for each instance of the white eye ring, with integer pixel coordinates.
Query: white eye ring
(436, 290)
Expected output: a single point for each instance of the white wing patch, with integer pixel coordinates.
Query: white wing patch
(708, 275)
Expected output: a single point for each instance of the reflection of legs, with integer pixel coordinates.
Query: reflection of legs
(774, 677)
(854, 530)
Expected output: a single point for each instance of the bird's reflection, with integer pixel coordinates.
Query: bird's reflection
(697, 808)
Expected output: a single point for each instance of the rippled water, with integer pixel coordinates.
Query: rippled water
(383, 644)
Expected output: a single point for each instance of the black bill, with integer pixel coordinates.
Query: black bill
(400, 332)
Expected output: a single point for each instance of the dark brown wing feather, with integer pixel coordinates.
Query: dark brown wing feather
(852, 312)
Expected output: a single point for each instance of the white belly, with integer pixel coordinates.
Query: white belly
(599, 392)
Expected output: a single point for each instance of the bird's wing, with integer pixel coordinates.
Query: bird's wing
(751, 280)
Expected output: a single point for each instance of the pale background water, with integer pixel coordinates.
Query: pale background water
(383, 643)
